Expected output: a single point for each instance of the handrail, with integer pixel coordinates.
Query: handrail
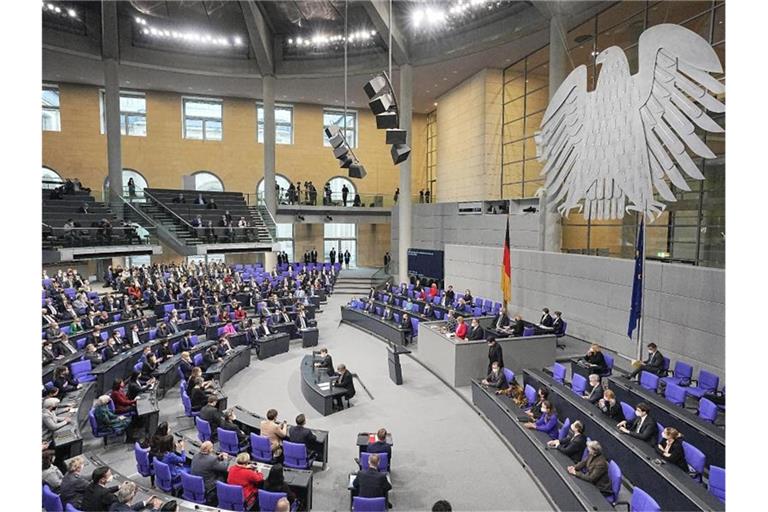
(377, 281)
(139, 212)
(156, 201)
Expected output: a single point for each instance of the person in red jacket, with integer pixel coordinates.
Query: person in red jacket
(120, 399)
(461, 328)
(240, 314)
(432, 291)
(243, 474)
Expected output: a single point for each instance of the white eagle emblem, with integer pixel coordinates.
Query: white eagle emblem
(614, 146)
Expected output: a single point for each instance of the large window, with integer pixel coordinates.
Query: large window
(51, 179)
(337, 185)
(133, 114)
(691, 229)
(283, 123)
(208, 182)
(51, 113)
(200, 259)
(335, 117)
(202, 118)
(285, 238)
(341, 237)
(282, 183)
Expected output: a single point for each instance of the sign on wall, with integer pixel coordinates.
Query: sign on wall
(426, 263)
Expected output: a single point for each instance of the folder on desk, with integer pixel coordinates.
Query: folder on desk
(325, 386)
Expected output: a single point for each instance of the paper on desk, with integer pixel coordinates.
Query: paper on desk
(325, 386)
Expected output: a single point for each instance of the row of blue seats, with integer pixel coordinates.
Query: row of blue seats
(358, 304)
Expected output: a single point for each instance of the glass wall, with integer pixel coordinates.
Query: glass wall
(208, 182)
(284, 240)
(692, 229)
(341, 237)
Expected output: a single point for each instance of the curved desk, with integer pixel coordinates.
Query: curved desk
(311, 380)
(68, 440)
(373, 324)
(239, 358)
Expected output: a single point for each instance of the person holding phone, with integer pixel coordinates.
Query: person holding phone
(275, 432)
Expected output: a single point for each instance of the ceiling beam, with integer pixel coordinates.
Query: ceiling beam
(260, 37)
(378, 12)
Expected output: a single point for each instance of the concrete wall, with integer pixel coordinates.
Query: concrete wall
(469, 120)
(163, 156)
(684, 305)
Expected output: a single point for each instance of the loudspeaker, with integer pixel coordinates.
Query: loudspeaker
(374, 86)
(381, 104)
(397, 136)
(335, 136)
(400, 153)
(345, 161)
(340, 151)
(357, 171)
(387, 120)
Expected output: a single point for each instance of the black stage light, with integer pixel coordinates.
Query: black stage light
(400, 153)
(357, 171)
(397, 136)
(341, 151)
(381, 104)
(345, 161)
(374, 86)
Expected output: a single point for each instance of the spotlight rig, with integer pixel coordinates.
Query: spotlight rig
(383, 104)
(343, 152)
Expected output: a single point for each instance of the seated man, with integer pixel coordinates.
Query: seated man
(325, 362)
(212, 414)
(596, 466)
(228, 423)
(594, 359)
(642, 427)
(371, 483)
(344, 383)
(573, 445)
(518, 326)
(501, 320)
(387, 315)
(210, 467)
(381, 445)
(405, 325)
(595, 390)
(302, 435)
(495, 379)
(475, 331)
(558, 327)
(653, 364)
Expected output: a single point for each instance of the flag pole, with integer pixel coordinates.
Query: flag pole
(642, 288)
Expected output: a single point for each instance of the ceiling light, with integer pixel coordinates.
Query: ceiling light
(71, 13)
(57, 9)
(290, 41)
(238, 40)
(51, 7)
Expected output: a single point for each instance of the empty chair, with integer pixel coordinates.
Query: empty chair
(415, 326)
(261, 450)
(193, 488)
(530, 394)
(138, 366)
(695, 459)
(203, 429)
(649, 381)
(268, 500)
(70, 508)
(608, 365)
(509, 375)
(369, 504)
(706, 383)
(681, 376)
(628, 411)
(659, 431)
(614, 475)
(641, 502)
(152, 333)
(187, 403)
(477, 311)
(51, 500)
(396, 317)
(228, 441)
(675, 394)
(563, 432)
(197, 359)
(707, 410)
(383, 461)
(164, 478)
(717, 482)
(230, 496)
(529, 331)
(81, 370)
(295, 456)
(558, 373)
(143, 465)
(578, 384)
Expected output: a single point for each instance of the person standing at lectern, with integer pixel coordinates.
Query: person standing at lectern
(345, 383)
(325, 362)
(494, 353)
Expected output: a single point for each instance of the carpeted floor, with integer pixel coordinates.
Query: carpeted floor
(442, 448)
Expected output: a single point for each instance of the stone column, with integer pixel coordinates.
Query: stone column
(270, 261)
(405, 103)
(110, 56)
(270, 198)
(550, 228)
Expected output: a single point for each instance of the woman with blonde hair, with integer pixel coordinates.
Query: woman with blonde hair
(671, 448)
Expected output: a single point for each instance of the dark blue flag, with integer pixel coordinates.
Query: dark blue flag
(637, 284)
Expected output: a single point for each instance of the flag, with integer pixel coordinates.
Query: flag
(637, 284)
(506, 269)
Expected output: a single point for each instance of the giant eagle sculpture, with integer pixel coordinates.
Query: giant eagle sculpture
(614, 146)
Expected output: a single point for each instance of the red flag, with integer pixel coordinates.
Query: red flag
(506, 269)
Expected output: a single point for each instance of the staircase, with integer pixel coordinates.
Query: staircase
(263, 222)
(354, 281)
(161, 216)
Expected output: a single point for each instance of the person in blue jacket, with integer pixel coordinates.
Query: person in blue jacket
(547, 422)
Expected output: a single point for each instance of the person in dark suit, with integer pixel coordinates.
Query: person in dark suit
(596, 466)
(73, 485)
(449, 297)
(209, 358)
(405, 325)
(654, 364)
(371, 483)
(496, 378)
(595, 390)
(197, 397)
(609, 405)
(300, 434)
(97, 497)
(475, 331)
(186, 365)
(325, 361)
(558, 326)
(381, 445)
(501, 320)
(573, 445)
(212, 415)
(494, 353)
(228, 423)
(671, 448)
(546, 320)
(643, 426)
(125, 495)
(345, 383)
(518, 326)
(595, 359)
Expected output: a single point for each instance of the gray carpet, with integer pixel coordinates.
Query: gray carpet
(442, 448)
